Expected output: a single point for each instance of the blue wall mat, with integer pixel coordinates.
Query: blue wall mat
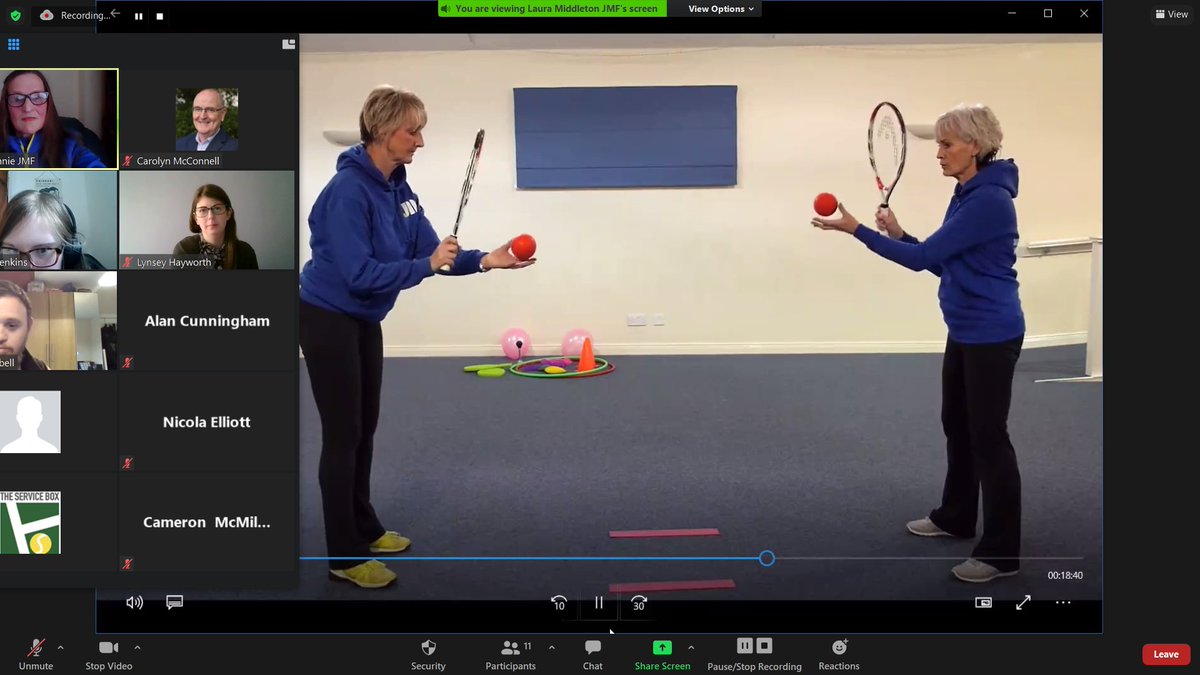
(589, 137)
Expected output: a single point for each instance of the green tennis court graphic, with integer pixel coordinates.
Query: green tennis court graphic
(30, 523)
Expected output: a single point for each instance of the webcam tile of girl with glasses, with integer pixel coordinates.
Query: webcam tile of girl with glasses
(38, 232)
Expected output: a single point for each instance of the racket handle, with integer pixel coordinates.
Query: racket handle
(454, 235)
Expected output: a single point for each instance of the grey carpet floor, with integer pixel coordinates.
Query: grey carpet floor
(820, 459)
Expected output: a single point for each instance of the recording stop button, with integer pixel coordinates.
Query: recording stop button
(1166, 655)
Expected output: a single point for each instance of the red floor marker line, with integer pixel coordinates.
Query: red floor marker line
(642, 534)
(666, 586)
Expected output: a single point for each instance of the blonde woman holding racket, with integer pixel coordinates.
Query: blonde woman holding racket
(974, 254)
(370, 240)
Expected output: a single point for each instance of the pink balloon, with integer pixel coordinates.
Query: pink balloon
(509, 343)
(572, 344)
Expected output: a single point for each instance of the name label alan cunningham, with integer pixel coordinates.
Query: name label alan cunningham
(218, 321)
(220, 522)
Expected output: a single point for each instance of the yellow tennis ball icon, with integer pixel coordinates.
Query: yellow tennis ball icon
(40, 543)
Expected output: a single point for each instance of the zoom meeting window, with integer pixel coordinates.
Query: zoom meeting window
(701, 408)
(147, 311)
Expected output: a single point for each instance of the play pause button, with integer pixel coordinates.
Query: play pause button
(745, 645)
(600, 608)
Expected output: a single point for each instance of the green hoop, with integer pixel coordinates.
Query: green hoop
(515, 368)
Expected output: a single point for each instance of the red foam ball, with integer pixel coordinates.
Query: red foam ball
(825, 204)
(523, 247)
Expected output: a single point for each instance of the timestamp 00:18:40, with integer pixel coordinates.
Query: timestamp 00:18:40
(1065, 575)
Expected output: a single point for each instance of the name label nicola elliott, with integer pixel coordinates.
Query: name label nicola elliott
(214, 422)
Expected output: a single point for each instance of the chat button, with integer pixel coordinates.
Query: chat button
(591, 646)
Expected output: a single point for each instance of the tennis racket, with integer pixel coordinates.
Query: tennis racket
(887, 144)
(466, 187)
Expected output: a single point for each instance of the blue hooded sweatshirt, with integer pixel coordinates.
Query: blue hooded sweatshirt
(370, 240)
(77, 156)
(974, 253)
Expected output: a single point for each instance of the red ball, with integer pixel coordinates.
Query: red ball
(523, 247)
(825, 204)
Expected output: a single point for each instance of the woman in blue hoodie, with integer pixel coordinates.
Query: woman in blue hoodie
(370, 240)
(30, 126)
(974, 254)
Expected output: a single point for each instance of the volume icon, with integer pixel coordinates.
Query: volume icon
(134, 602)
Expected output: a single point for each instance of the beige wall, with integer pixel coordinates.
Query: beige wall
(735, 270)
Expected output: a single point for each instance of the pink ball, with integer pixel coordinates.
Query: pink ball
(509, 344)
(572, 344)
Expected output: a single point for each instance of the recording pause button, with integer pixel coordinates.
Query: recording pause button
(762, 645)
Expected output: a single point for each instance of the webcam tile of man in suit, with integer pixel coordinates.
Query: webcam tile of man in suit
(208, 112)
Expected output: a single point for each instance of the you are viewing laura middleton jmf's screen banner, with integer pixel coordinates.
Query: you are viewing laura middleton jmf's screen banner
(30, 523)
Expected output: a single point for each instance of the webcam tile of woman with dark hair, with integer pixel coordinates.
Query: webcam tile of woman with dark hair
(215, 227)
(31, 127)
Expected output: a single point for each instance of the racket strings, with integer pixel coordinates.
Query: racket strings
(469, 181)
(886, 147)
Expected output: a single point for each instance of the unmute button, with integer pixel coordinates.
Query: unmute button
(716, 10)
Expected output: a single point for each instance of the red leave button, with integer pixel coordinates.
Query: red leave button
(1166, 655)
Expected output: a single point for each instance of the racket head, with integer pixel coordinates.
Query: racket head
(472, 164)
(887, 147)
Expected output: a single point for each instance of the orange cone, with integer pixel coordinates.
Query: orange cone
(587, 360)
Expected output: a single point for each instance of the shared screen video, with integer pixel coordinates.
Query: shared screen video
(712, 373)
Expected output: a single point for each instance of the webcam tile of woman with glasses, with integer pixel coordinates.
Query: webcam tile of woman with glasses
(32, 128)
(38, 232)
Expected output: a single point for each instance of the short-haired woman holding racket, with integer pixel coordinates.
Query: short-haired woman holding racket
(370, 240)
(974, 254)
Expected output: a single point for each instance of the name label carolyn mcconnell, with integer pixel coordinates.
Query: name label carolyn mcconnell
(218, 321)
(164, 161)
